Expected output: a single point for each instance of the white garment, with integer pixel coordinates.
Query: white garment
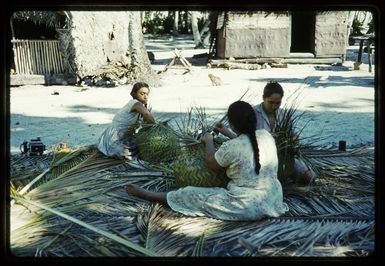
(300, 168)
(263, 120)
(248, 196)
(116, 139)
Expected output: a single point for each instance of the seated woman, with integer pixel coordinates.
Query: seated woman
(251, 164)
(116, 140)
(267, 113)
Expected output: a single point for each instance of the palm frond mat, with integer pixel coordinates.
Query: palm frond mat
(82, 210)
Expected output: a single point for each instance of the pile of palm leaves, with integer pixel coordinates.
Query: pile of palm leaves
(86, 212)
(75, 205)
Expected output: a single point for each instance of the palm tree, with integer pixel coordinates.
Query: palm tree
(140, 65)
(195, 30)
(176, 21)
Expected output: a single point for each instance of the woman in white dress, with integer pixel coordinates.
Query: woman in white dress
(116, 140)
(251, 164)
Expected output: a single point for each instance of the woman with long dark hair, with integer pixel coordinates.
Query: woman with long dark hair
(116, 140)
(251, 163)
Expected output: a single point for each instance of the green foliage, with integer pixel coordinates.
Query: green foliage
(156, 22)
(168, 24)
(356, 27)
(371, 27)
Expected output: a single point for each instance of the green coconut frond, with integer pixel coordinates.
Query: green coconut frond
(288, 139)
(64, 161)
(193, 125)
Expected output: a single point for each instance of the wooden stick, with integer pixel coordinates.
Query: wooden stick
(23, 59)
(369, 54)
(55, 59)
(29, 58)
(61, 63)
(38, 46)
(46, 58)
(34, 58)
(19, 55)
(42, 57)
(51, 55)
(16, 54)
(37, 57)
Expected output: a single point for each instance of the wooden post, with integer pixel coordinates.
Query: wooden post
(29, 58)
(23, 59)
(359, 58)
(16, 57)
(49, 63)
(369, 55)
(34, 57)
(38, 57)
(52, 55)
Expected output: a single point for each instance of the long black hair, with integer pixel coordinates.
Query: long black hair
(242, 117)
(137, 86)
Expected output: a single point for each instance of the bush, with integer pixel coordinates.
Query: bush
(356, 27)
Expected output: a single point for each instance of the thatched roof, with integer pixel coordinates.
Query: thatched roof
(80, 209)
(50, 18)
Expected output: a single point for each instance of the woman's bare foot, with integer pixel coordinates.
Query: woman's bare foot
(136, 191)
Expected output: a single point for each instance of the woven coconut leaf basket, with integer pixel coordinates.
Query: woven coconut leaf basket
(190, 169)
(157, 143)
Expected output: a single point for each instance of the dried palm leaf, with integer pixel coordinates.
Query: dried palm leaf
(334, 217)
(63, 161)
(92, 228)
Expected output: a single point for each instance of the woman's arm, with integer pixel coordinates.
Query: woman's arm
(210, 151)
(141, 109)
(225, 131)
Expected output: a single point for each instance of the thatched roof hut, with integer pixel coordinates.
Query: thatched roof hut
(285, 34)
(87, 40)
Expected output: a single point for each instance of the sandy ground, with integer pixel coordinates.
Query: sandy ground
(339, 104)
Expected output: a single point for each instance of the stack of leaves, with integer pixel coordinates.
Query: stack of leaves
(157, 143)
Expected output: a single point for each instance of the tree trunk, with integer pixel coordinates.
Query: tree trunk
(140, 66)
(12, 30)
(195, 30)
(175, 26)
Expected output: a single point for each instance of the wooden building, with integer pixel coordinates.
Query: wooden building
(298, 35)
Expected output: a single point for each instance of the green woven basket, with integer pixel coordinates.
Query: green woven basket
(157, 143)
(190, 169)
